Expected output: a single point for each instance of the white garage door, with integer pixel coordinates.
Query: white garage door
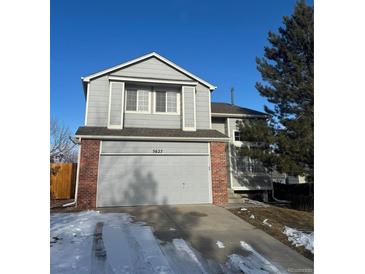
(153, 173)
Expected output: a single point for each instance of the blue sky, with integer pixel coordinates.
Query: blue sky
(216, 40)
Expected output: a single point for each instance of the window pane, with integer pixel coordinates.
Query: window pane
(142, 100)
(171, 101)
(160, 101)
(131, 100)
(237, 136)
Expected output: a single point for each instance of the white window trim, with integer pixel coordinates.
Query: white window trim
(120, 126)
(183, 111)
(230, 155)
(136, 111)
(237, 143)
(234, 135)
(210, 111)
(166, 113)
(87, 102)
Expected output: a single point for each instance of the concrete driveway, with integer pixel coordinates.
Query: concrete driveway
(203, 225)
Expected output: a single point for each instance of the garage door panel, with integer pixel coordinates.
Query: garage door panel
(148, 147)
(150, 179)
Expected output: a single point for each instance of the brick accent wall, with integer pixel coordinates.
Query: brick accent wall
(88, 174)
(218, 158)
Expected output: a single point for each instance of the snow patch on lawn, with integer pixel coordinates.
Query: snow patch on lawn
(299, 238)
(265, 222)
(220, 244)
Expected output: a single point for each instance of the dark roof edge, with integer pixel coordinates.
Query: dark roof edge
(149, 134)
(224, 109)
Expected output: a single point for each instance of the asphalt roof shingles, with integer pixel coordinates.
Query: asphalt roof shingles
(234, 109)
(148, 132)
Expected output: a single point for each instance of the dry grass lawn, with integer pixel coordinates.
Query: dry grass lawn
(279, 217)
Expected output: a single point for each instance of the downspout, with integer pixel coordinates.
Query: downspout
(77, 177)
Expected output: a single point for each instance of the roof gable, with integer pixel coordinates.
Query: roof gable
(148, 65)
(151, 68)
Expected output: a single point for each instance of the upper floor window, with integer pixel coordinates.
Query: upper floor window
(137, 100)
(166, 102)
(237, 136)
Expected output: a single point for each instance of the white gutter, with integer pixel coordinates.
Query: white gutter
(238, 115)
(186, 139)
(77, 179)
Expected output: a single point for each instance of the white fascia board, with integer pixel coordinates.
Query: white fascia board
(250, 188)
(152, 54)
(237, 115)
(185, 139)
(150, 80)
(91, 76)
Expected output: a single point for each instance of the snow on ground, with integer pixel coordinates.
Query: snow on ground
(131, 247)
(299, 238)
(265, 222)
(219, 244)
(254, 263)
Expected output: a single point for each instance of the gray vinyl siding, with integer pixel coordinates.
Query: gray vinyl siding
(220, 126)
(116, 103)
(202, 107)
(233, 126)
(148, 147)
(98, 102)
(151, 120)
(152, 68)
(188, 107)
(241, 179)
(244, 180)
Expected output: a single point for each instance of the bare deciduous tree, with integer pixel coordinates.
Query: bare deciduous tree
(62, 148)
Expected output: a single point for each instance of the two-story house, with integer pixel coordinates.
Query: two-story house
(152, 136)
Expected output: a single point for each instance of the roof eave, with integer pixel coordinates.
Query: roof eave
(239, 115)
(162, 138)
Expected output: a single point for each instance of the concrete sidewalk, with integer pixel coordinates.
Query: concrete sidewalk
(203, 225)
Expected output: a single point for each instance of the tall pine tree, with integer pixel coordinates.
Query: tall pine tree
(287, 70)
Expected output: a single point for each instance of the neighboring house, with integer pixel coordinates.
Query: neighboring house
(151, 136)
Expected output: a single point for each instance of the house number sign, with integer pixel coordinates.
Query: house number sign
(157, 150)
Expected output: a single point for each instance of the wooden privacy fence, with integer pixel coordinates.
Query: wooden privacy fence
(63, 180)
